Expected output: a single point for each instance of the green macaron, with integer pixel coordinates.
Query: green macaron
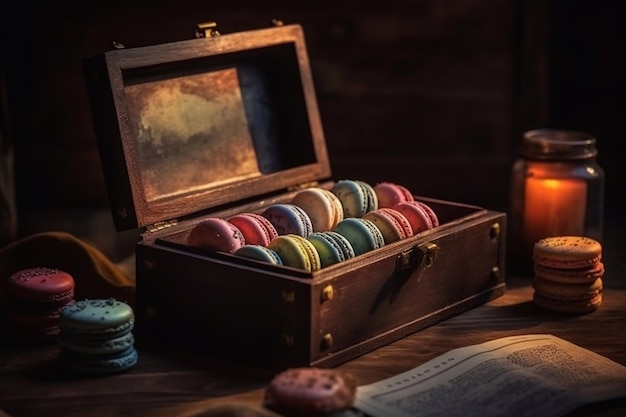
(259, 253)
(297, 252)
(329, 251)
(362, 234)
(355, 197)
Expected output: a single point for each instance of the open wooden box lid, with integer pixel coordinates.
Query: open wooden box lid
(188, 126)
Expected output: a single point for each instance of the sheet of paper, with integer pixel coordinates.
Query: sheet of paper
(529, 375)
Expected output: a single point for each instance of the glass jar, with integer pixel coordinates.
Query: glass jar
(557, 189)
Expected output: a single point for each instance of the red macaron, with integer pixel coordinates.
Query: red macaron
(35, 298)
(389, 194)
(216, 234)
(256, 229)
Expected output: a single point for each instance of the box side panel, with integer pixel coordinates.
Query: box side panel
(376, 305)
(242, 312)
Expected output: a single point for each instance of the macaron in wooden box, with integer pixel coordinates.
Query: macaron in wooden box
(225, 125)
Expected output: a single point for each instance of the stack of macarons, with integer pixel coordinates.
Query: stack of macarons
(35, 298)
(568, 273)
(96, 337)
(319, 227)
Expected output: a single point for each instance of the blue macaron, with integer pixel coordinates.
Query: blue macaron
(259, 253)
(362, 234)
(96, 336)
(357, 197)
(332, 247)
(289, 219)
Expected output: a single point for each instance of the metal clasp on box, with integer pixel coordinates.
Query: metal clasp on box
(206, 30)
(422, 256)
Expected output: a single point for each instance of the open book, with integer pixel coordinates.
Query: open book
(529, 375)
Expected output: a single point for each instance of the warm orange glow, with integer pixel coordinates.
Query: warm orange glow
(553, 207)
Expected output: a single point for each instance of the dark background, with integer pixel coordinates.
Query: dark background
(429, 93)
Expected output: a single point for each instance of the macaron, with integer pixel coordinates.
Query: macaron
(357, 197)
(40, 286)
(570, 276)
(96, 337)
(259, 253)
(331, 247)
(97, 319)
(434, 219)
(297, 252)
(391, 223)
(389, 194)
(35, 298)
(216, 234)
(99, 365)
(310, 392)
(416, 214)
(567, 297)
(343, 244)
(33, 325)
(567, 252)
(362, 234)
(322, 206)
(288, 218)
(370, 194)
(256, 229)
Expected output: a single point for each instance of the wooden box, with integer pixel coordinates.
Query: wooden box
(229, 123)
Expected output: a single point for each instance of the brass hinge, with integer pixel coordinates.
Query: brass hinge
(206, 30)
(161, 225)
(299, 187)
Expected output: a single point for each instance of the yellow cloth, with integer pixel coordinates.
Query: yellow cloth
(95, 275)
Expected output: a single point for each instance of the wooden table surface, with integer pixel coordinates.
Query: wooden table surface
(181, 382)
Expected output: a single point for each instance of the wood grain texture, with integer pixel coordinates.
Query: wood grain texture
(171, 380)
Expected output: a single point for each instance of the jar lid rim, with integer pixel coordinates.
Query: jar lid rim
(558, 144)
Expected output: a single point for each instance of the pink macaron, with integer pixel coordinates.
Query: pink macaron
(434, 219)
(216, 234)
(392, 224)
(416, 215)
(389, 194)
(256, 229)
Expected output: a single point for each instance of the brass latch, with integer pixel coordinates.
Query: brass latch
(206, 30)
(161, 225)
(421, 256)
(428, 252)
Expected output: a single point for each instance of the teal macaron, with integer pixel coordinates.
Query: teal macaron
(362, 234)
(331, 247)
(357, 197)
(97, 317)
(96, 336)
(91, 364)
(259, 253)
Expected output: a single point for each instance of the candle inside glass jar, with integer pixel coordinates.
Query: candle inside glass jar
(557, 188)
(554, 207)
